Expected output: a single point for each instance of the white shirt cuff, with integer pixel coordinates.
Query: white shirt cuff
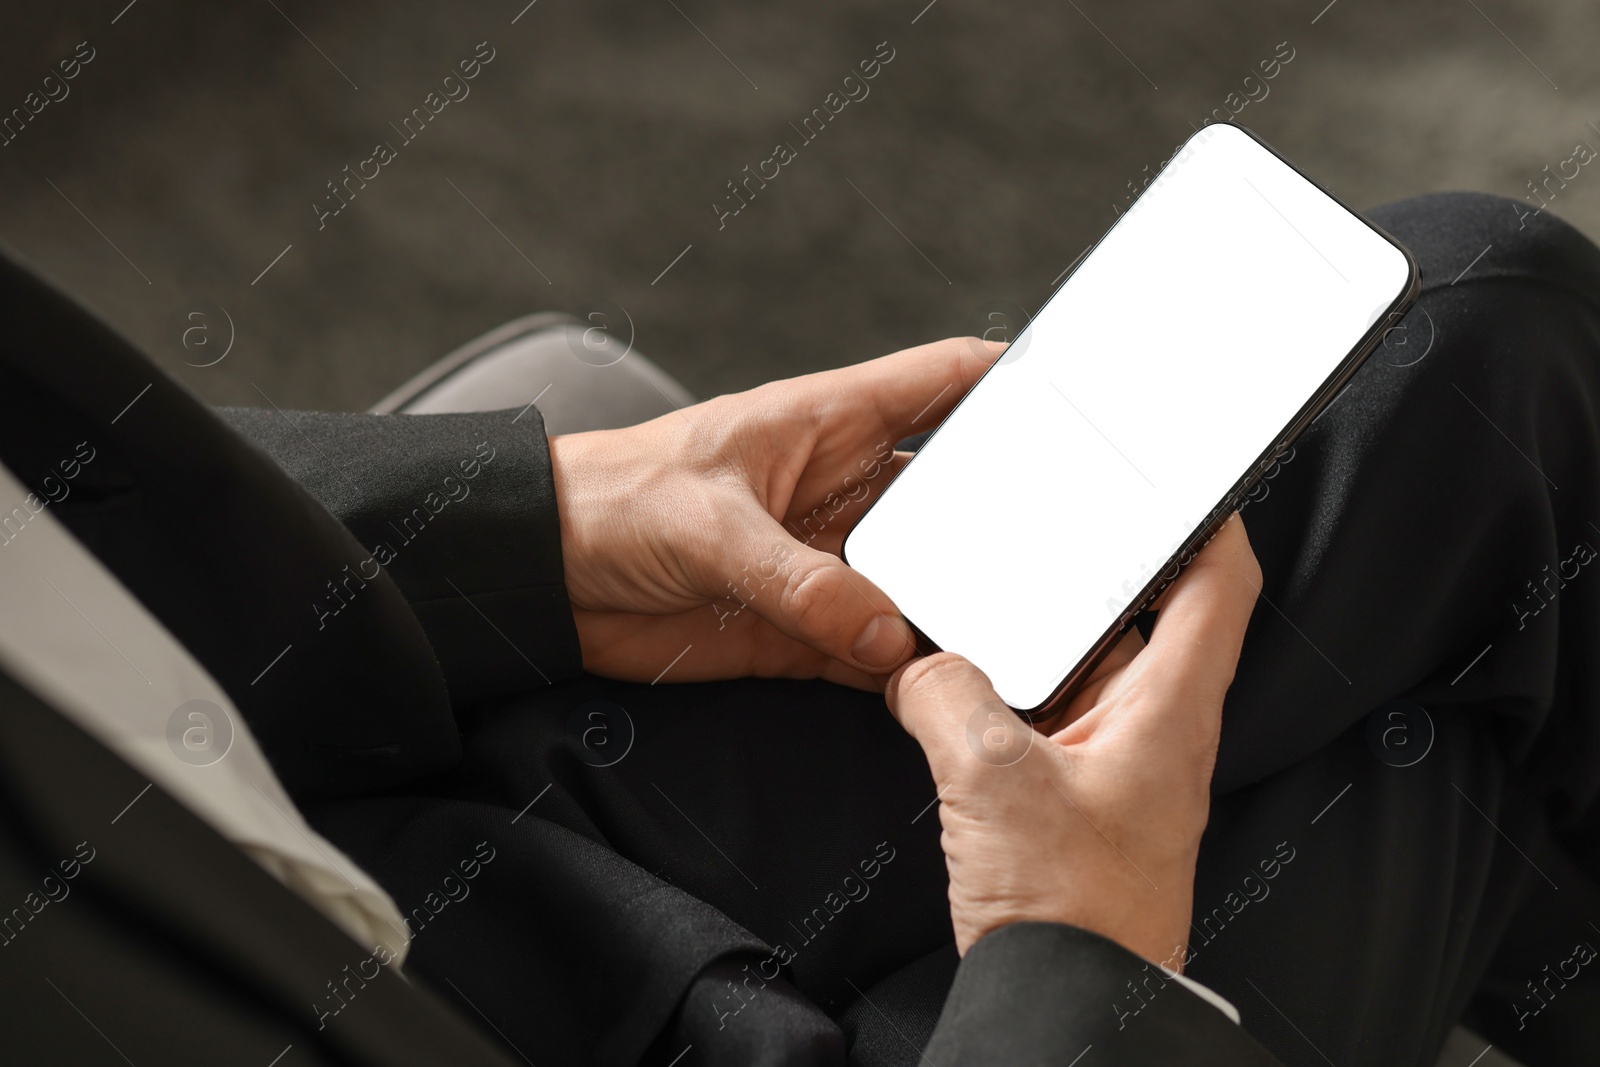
(1210, 996)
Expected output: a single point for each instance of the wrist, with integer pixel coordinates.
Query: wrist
(566, 469)
(606, 484)
(1152, 924)
(1110, 898)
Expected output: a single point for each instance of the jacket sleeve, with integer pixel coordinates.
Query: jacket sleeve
(460, 510)
(1044, 993)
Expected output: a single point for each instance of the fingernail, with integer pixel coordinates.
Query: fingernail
(883, 642)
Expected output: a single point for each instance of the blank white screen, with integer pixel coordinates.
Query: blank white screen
(1175, 355)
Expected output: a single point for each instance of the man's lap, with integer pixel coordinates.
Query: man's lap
(1391, 545)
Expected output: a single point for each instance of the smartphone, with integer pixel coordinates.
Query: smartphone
(1220, 314)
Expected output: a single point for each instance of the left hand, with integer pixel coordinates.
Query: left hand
(717, 528)
(1093, 819)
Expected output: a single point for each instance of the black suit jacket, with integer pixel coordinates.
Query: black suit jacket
(256, 543)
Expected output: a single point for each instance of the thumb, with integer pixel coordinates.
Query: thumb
(1193, 652)
(819, 600)
(948, 706)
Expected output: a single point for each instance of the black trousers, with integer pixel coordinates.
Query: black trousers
(1404, 828)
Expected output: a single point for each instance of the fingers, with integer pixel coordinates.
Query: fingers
(1194, 649)
(826, 524)
(936, 698)
(817, 599)
(912, 390)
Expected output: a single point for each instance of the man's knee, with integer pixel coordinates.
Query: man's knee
(1461, 236)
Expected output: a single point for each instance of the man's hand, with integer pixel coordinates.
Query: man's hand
(717, 528)
(1094, 821)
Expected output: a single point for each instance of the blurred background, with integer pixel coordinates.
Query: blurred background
(587, 160)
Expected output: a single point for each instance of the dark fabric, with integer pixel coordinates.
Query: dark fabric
(1542, 994)
(775, 802)
(132, 932)
(459, 510)
(571, 952)
(737, 1018)
(220, 545)
(1418, 509)
(910, 998)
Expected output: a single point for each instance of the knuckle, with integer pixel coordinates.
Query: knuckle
(935, 672)
(810, 597)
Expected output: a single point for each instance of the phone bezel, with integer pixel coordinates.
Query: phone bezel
(1320, 400)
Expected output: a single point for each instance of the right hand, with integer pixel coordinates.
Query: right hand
(669, 529)
(1097, 823)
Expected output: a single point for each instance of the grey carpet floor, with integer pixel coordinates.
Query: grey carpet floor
(592, 149)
